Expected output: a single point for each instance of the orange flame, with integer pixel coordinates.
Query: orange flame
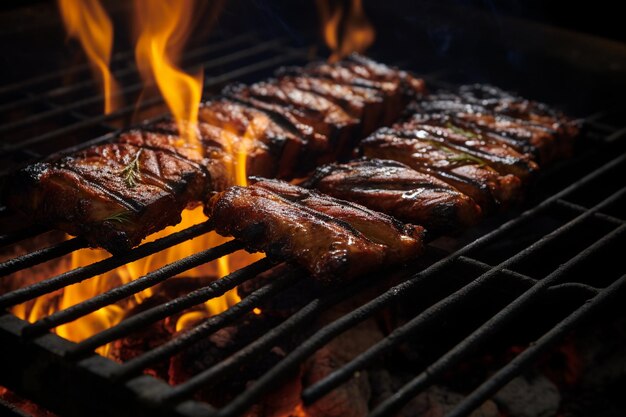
(87, 21)
(345, 33)
(164, 26)
(163, 30)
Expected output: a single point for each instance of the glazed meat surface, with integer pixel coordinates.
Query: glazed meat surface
(528, 126)
(327, 119)
(113, 195)
(327, 236)
(501, 157)
(364, 104)
(425, 153)
(400, 191)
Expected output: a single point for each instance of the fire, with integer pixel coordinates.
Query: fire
(163, 28)
(113, 314)
(345, 32)
(88, 22)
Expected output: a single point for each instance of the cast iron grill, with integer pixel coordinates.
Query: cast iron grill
(72, 380)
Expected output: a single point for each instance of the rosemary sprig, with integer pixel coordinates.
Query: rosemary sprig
(461, 131)
(131, 172)
(121, 217)
(467, 158)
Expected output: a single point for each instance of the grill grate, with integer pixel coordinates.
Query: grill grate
(34, 354)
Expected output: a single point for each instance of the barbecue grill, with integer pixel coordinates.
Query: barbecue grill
(562, 250)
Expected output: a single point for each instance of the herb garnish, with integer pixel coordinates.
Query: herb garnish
(121, 217)
(131, 172)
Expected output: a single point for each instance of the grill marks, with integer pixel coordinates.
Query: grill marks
(463, 171)
(484, 142)
(116, 194)
(331, 238)
(396, 189)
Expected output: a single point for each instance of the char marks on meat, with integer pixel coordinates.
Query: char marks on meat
(287, 125)
(113, 195)
(396, 189)
(426, 153)
(326, 236)
(528, 126)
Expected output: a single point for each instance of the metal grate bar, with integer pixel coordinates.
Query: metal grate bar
(42, 255)
(528, 356)
(79, 274)
(431, 316)
(581, 209)
(25, 233)
(58, 74)
(91, 82)
(57, 110)
(292, 324)
(506, 272)
(208, 82)
(582, 289)
(327, 333)
(212, 324)
(154, 314)
(119, 293)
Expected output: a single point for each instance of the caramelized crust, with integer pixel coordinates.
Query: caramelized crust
(91, 194)
(330, 238)
(428, 154)
(394, 188)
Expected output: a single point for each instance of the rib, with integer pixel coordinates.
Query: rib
(396, 189)
(326, 236)
(528, 126)
(426, 153)
(360, 103)
(301, 107)
(395, 87)
(500, 156)
(502, 102)
(113, 195)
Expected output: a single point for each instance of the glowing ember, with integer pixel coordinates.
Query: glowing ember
(163, 28)
(345, 32)
(89, 23)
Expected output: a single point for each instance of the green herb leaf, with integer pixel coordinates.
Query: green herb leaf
(122, 217)
(461, 131)
(131, 172)
(463, 157)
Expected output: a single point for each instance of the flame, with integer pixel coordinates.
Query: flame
(343, 32)
(109, 316)
(163, 30)
(88, 22)
(164, 26)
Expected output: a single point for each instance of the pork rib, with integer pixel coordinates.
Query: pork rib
(331, 238)
(396, 189)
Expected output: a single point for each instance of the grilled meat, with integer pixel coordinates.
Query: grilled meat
(363, 104)
(394, 188)
(286, 146)
(528, 126)
(301, 107)
(394, 87)
(428, 154)
(505, 103)
(327, 236)
(113, 195)
(501, 157)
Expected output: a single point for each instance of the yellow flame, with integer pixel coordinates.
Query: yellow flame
(87, 21)
(345, 33)
(163, 29)
(109, 316)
